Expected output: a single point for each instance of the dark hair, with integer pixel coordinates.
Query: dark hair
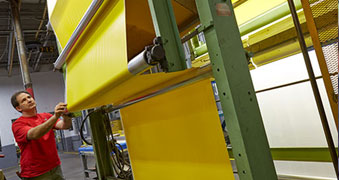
(14, 101)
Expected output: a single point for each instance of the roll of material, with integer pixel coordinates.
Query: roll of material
(97, 70)
(138, 64)
(91, 11)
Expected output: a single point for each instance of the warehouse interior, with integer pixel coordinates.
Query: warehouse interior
(177, 89)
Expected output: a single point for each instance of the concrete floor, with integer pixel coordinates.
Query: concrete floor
(70, 163)
(71, 166)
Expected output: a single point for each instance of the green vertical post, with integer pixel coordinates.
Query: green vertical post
(102, 151)
(166, 27)
(239, 103)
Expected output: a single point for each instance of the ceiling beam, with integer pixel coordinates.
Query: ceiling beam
(24, 31)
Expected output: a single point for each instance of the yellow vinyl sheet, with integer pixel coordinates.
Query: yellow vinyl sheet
(96, 72)
(65, 15)
(177, 135)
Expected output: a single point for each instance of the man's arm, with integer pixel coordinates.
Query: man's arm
(38, 131)
(65, 123)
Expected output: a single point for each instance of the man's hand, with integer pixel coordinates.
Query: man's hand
(40, 130)
(60, 109)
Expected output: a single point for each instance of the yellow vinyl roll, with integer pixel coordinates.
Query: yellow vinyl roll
(96, 72)
(66, 16)
(177, 135)
(99, 60)
(117, 92)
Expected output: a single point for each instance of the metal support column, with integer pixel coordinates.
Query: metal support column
(315, 88)
(166, 27)
(238, 99)
(101, 149)
(21, 47)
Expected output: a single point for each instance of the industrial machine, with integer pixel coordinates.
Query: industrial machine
(101, 36)
(228, 64)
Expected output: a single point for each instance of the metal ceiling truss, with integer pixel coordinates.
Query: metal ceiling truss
(33, 19)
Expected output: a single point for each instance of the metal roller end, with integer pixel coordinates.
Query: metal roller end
(138, 64)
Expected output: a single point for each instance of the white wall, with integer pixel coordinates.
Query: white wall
(290, 113)
(48, 89)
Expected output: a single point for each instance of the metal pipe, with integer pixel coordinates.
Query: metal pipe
(138, 64)
(151, 56)
(11, 45)
(268, 17)
(207, 73)
(314, 87)
(21, 48)
(19, 5)
(37, 35)
(190, 35)
(299, 177)
(5, 49)
(290, 84)
(91, 11)
(41, 22)
(11, 53)
(48, 34)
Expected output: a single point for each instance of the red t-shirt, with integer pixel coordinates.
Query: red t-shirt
(37, 156)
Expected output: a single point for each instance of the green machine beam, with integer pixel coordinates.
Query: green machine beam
(311, 154)
(243, 119)
(268, 17)
(101, 149)
(166, 27)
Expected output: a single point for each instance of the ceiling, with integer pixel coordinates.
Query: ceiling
(32, 17)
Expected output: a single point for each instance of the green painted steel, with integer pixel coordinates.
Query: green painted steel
(195, 42)
(302, 154)
(268, 17)
(200, 50)
(254, 24)
(237, 96)
(101, 149)
(166, 27)
(298, 154)
(64, 70)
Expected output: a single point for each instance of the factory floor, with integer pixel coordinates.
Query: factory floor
(70, 163)
(71, 166)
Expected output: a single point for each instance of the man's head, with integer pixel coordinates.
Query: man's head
(23, 101)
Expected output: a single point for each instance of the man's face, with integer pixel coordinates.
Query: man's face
(26, 102)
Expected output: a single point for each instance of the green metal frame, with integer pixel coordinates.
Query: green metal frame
(237, 95)
(268, 17)
(166, 27)
(311, 154)
(249, 142)
(101, 149)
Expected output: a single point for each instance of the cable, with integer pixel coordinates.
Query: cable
(82, 127)
(117, 155)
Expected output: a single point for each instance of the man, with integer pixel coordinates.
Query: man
(2, 176)
(34, 134)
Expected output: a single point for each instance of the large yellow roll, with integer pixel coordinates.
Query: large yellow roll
(96, 72)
